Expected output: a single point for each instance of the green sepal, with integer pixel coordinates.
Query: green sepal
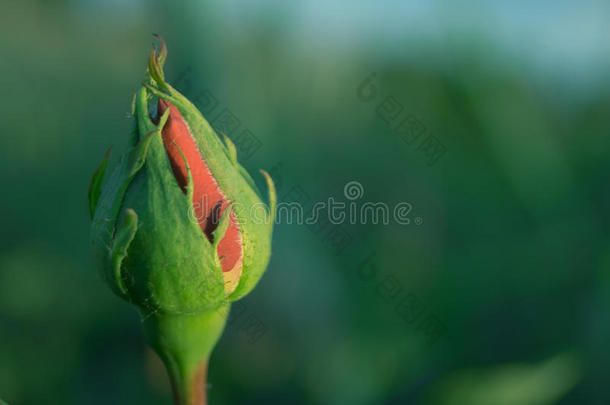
(221, 229)
(190, 186)
(133, 104)
(250, 278)
(230, 149)
(171, 265)
(272, 196)
(124, 234)
(171, 262)
(95, 186)
(155, 69)
(162, 51)
(108, 207)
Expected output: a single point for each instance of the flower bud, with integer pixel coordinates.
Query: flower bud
(179, 226)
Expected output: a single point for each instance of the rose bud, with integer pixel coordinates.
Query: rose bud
(179, 228)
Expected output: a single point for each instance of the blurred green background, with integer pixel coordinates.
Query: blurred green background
(508, 244)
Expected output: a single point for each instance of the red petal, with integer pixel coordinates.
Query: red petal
(207, 195)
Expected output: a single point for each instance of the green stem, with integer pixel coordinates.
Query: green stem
(184, 343)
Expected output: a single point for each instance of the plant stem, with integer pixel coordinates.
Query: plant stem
(184, 343)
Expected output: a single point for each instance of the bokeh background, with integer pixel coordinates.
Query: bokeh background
(496, 292)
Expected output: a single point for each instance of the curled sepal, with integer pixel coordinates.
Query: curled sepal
(272, 196)
(162, 51)
(109, 204)
(95, 186)
(155, 65)
(220, 231)
(231, 151)
(189, 187)
(124, 234)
